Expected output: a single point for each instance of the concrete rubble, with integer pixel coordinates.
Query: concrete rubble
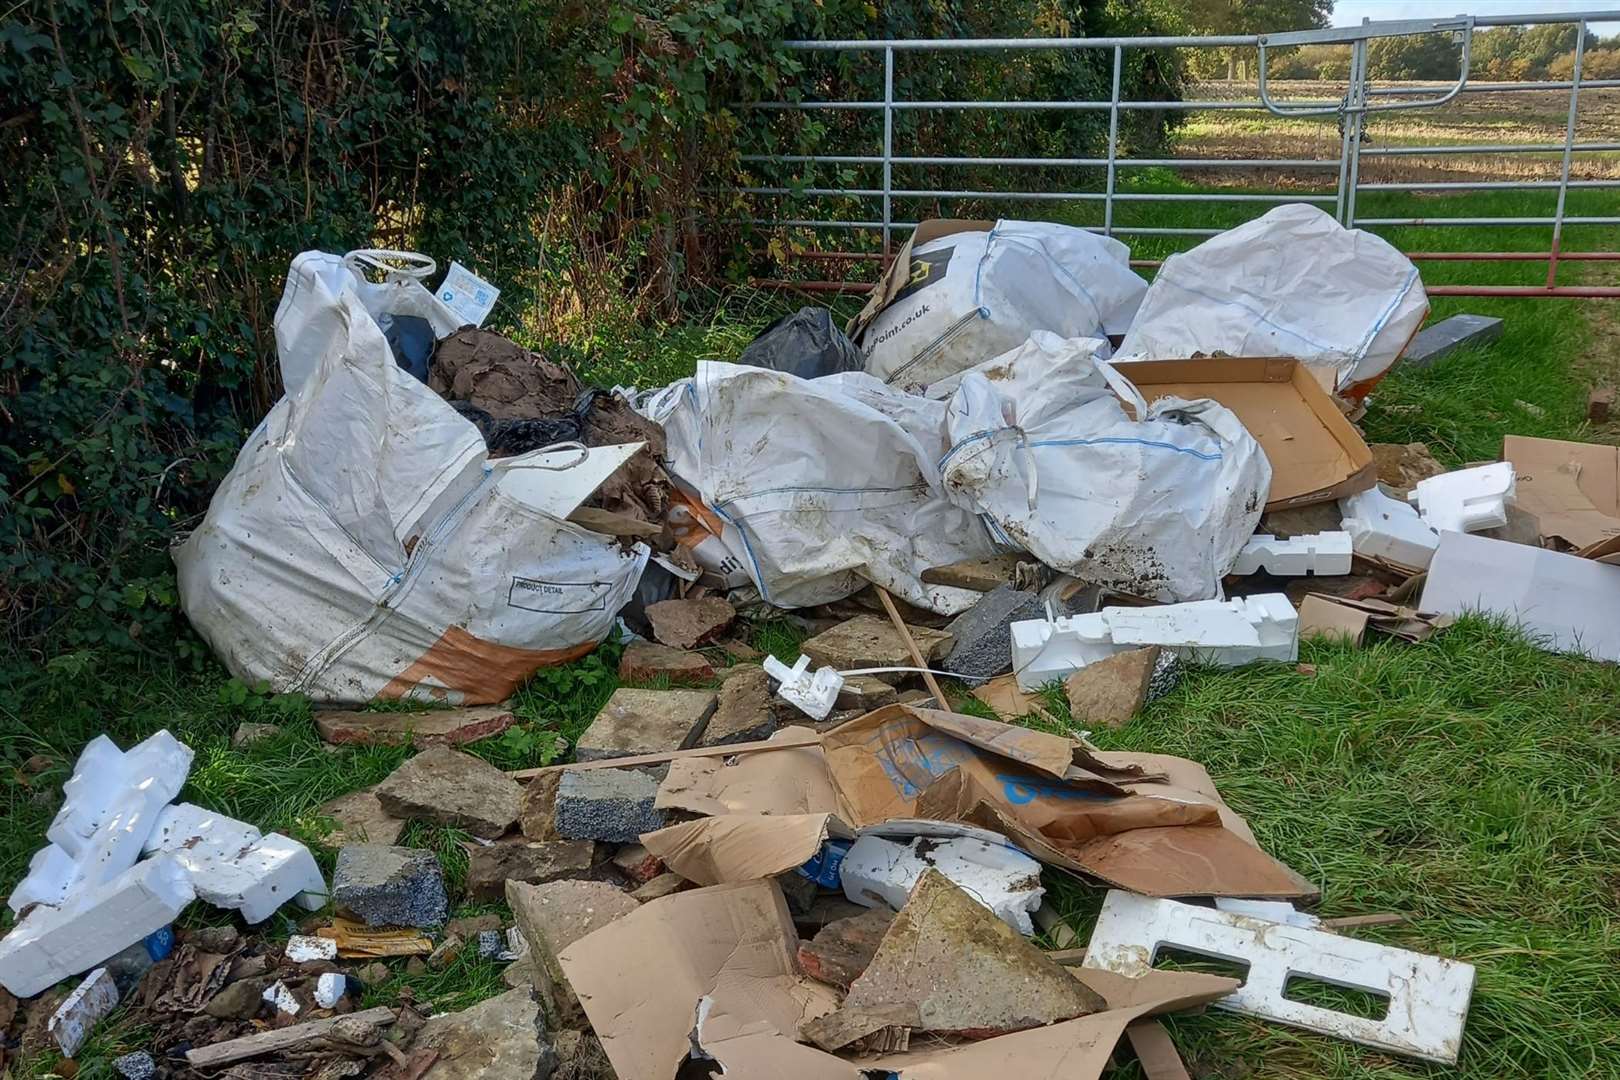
(981, 636)
(614, 805)
(490, 866)
(742, 711)
(867, 641)
(685, 623)
(646, 722)
(452, 788)
(648, 661)
(449, 727)
(554, 916)
(390, 886)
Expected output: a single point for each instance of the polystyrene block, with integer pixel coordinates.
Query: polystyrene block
(194, 833)
(1427, 997)
(1321, 554)
(1388, 529)
(884, 871)
(51, 944)
(1466, 500)
(260, 879)
(1225, 632)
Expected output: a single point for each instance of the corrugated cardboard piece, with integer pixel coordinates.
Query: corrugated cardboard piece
(898, 276)
(1315, 453)
(726, 981)
(1340, 617)
(1165, 833)
(1572, 488)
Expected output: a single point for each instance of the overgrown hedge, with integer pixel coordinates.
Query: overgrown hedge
(162, 162)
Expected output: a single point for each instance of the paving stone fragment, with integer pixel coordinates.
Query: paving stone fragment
(841, 950)
(646, 722)
(1600, 403)
(470, 926)
(1112, 690)
(968, 973)
(1447, 336)
(980, 575)
(607, 804)
(390, 886)
(659, 887)
(537, 815)
(743, 709)
(359, 818)
(981, 637)
(685, 623)
(240, 1000)
(450, 727)
(865, 692)
(490, 867)
(648, 661)
(245, 735)
(867, 641)
(552, 917)
(502, 1038)
(453, 788)
(135, 1066)
(637, 863)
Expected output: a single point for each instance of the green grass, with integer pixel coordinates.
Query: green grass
(1473, 781)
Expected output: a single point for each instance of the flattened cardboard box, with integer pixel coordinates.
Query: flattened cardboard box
(1315, 453)
(729, 990)
(898, 277)
(1572, 488)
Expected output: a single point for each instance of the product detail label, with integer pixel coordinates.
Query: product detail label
(557, 597)
(468, 295)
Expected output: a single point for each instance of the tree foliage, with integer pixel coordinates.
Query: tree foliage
(163, 162)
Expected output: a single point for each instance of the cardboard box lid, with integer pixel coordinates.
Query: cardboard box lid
(1315, 453)
(1573, 488)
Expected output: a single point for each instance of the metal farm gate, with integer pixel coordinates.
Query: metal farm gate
(1361, 101)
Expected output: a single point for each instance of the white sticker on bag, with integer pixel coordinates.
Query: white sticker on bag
(467, 294)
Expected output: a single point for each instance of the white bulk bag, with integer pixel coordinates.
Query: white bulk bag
(1157, 507)
(363, 547)
(961, 292)
(1292, 282)
(823, 484)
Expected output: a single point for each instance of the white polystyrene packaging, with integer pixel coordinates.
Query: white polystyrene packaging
(1292, 282)
(978, 293)
(363, 546)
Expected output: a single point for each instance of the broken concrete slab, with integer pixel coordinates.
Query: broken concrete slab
(743, 709)
(450, 727)
(867, 641)
(842, 949)
(981, 637)
(1435, 342)
(660, 886)
(552, 917)
(90, 1002)
(452, 788)
(359, 818)
(616, 805)
(685, 623)
(646, 722)
(865, 692)
(246, 734)
(501, 1038)
(648, 661)
(980, 575)
(490, 866)
(537, 816)
(968, 973)
(390, 886)
(1111, 691)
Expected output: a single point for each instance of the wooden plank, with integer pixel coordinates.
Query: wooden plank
(1155, 1050)
(634, 760)
(269, 1042)
(940, 700)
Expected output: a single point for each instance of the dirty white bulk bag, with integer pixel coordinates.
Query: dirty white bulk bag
(823, 484)
(961, 292)
(1292, 282)
(1043, 448)
(363, 546)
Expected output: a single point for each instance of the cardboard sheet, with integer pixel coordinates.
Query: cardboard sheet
(738, 847)
(898, 275)
(1572, 488)
(789, 782)
(893, 763)
(1316, 454)
(1322, 615)
(724, 959)
(1571, 603)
